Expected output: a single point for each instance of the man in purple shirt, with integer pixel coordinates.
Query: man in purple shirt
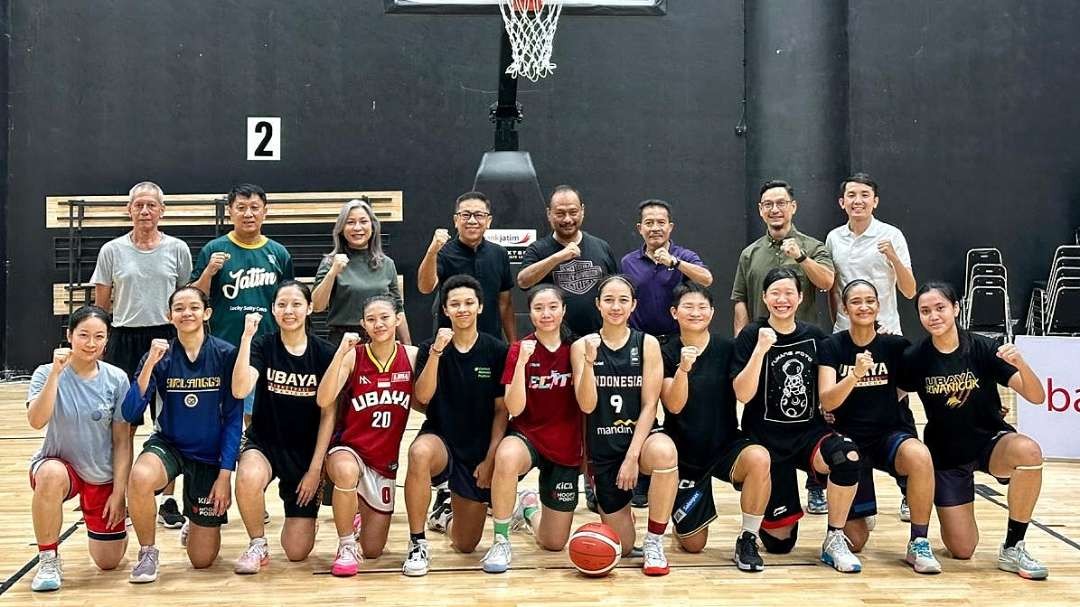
(657, 268)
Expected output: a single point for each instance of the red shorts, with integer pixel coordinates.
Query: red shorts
(92, 500)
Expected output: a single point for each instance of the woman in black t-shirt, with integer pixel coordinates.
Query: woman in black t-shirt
(774, 371)
(289, 433)
(957, 374)
(858, 382)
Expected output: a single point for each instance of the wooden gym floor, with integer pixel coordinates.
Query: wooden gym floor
(540, 578)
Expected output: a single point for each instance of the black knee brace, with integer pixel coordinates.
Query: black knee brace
(835, 450)
(775, 546)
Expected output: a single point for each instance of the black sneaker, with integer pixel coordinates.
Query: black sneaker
(169, 516)
(641, 492)
(328, 493)
(746, 553)
(590, 498)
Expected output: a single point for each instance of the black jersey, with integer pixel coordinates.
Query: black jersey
(785, 407)
(872, 409)
(707, 423)
(619, 376)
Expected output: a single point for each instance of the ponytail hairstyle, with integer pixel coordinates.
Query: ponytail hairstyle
(87, 312)
(616, 277)
(565, 334)
(305, 291)
(203, 297)
(856, 283)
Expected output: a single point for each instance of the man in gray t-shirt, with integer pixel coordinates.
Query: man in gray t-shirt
(80, 430)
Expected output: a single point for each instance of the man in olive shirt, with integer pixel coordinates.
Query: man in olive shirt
(782, 245)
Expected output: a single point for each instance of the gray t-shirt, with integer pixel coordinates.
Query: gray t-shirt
(142, 280)
(80, 431)
(355, 284)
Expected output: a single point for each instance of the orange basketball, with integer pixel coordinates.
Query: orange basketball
(595, 549)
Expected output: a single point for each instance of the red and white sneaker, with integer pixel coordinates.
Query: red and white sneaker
(254, 558)
(655, 559)
(347, 562)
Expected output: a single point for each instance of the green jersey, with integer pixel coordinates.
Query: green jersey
(245, 284)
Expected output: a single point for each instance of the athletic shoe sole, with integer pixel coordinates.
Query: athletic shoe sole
(748, 566)
(828, 561)
(924, 571)
(142, 579)
(656, 571)
(336, 572)
(49, 587)
(173, 525)
(1027, 575)
(415, 573)
(495, 568)
(263, 563)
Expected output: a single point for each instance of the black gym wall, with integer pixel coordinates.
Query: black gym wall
(107, 93)
(961, 110)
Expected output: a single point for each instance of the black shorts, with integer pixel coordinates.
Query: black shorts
(877, 454)
(609, 497)
(785, 505)
(558, 483)
(285, 466)
(691, 514)
(458, 475)
(956, 486)
(127, 346)
(199, 478)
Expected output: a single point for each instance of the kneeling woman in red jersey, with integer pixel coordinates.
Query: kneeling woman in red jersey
(545, 433)
(78, 399)
(376, 380)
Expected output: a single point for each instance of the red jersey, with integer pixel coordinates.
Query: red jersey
(377, 407)
(551, 420)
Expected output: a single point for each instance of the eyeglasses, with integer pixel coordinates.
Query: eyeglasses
(779, 205)
(467, 216)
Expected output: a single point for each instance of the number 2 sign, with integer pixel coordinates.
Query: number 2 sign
(264, 138)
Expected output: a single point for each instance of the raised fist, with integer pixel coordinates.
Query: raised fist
(441, 237)
(349, 341)
(528, 346)
(338, 263)
(663, 257)
(158, 349)
(442, 338)
(60, 358)
(571, 251)
(592, 344)
(885, 247)
(1009, 354)
(790, 247)
(864, 361)
(217, 260)
(251, 324)
(687, 357)
(766, 337)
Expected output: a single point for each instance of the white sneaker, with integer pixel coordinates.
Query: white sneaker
(835, 551)
(655, 559)
(1018, 561)
(498, 557)
(905, 512)
(185, 531)
(49, 575)
(438, 520)
(418, 561)
(871, 522)
(525, 498)
(921, 556)
(254, 558)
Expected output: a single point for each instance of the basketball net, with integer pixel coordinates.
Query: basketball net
(531, 25)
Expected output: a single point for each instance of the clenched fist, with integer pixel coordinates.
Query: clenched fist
(570, 251)
(766, 337)
(592, 344)
(217, 260)
(338, 263)
(442, 338)
(60, 358)
(687, 357)
(349, 341)
(439, 240)
(1009, 354)
(790, 247)
(864, 361)
(526, 349)
(251, 324)
(158, 349)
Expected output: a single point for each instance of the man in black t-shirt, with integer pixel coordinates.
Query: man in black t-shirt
(702, 421)
(459, 388)
(570, 259)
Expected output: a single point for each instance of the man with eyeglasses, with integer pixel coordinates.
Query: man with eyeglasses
(782, 245)
(570, 259)
(472, 255)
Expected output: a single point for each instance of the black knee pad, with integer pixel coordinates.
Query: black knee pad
(842, 470)
(775, 546)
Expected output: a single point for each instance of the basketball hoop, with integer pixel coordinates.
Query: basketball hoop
(531, 25)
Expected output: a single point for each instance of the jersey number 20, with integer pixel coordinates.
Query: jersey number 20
(380, 419)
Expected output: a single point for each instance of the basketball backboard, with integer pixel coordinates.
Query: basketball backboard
(570, 7)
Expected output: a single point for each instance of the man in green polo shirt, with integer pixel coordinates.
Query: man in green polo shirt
(241, 270)
(782, 245)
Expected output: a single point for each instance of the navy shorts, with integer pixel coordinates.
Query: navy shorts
(878, 454)
(458, 475)
(956, 486)
(691, 519)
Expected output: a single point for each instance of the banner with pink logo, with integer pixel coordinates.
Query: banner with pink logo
(1054, 423)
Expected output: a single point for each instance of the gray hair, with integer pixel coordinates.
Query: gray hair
(375, 253)
(146, 186)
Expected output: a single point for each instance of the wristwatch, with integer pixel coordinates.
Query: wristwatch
(675, 264)
(801, 258)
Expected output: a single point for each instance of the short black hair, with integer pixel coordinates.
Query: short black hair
(777, 183)
(472, 196)
(654, 202)
(689, 288)
(247, 190)
(863, 178)
(460, 281)
(562, 189)
(87, 312)
(778, 274)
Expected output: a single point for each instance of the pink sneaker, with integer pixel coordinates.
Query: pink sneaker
(357, 523)
(254, 558)
(347, 561)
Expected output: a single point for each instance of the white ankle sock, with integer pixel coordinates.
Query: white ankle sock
(752, 523)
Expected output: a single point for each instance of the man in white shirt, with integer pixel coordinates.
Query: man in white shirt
(868, 248)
